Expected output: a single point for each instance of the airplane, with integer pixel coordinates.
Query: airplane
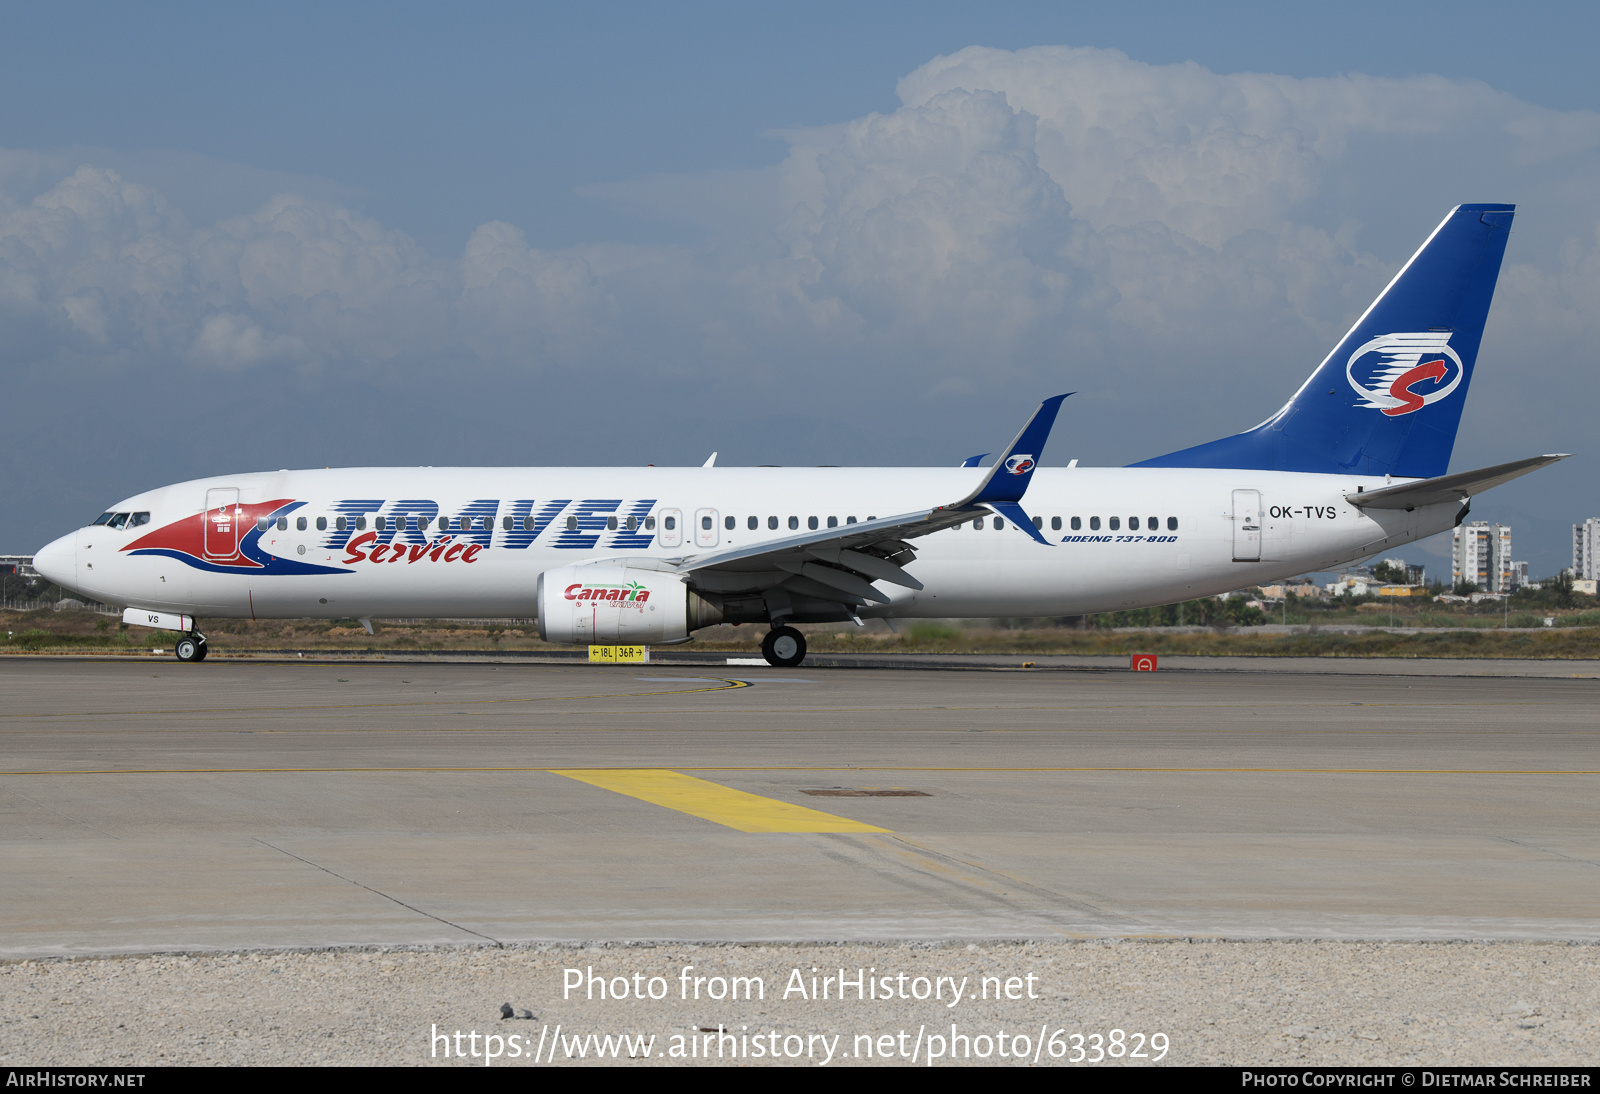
(1355, 463)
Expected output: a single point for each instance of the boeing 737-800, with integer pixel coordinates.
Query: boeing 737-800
(1355, 463)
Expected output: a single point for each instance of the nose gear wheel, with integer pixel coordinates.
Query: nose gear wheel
(190, 647)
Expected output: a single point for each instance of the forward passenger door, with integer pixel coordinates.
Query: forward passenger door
(669, 532)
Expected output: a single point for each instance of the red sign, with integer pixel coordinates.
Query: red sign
(1144, 662)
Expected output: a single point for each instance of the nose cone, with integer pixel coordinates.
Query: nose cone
(58, 561)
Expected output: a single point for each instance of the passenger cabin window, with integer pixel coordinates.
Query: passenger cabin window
(1152, 523)
(849, 520)
(1055, 524)
(380, 523)
(633, 524)
(611, 524)
(833, 522)
(730, 523)
(1172, 524)
(772, 523)
(1133, 524)
(649, 524)
(1038, 522)
(572, 523)
(340, 524)
(322, 524)
(299, 524)
(283, 524)
(263, 523)
(667, 523)
(1114, 523)
(794, 524)
(1077, 523)
(753, 523)
(1094, 524)
(361, 522)
(811, 523)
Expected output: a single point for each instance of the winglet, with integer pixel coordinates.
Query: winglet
(1013, 512)
(974, 461)
(1008, 479)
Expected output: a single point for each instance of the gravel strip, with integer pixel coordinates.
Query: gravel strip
(1238, 1003)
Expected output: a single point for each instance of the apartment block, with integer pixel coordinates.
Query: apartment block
(1481, 554)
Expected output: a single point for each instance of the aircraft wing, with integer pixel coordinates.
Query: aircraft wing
(1457, 487)
(840, 564)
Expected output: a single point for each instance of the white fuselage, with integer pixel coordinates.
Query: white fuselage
(1178, 534)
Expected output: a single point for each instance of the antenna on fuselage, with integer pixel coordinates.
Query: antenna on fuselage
(712, 462)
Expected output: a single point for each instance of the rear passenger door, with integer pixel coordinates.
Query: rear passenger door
(1247, 517)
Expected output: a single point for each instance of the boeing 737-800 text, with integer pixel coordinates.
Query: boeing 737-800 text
(1355, 463)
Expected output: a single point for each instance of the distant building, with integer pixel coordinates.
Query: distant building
(22, 565)
(1586, 549)
(1278, 592)
(1519, 576)
(1356, 582)
(1481, 554)
(1415, 575)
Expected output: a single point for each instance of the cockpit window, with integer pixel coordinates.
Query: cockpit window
(118, 520)
(138, 519)
(103, 518)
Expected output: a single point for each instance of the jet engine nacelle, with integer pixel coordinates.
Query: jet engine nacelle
(612, 603)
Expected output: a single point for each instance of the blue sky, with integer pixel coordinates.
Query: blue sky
(309, 234)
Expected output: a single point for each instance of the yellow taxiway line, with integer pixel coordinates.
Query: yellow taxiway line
(714, 802)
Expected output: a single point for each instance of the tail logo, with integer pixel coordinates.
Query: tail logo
(1019, 465)
(1402, 373)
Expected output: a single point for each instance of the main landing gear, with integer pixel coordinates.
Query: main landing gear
(784, 647)
(191, 646)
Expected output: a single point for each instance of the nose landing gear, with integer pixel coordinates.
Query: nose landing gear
(191, 646)
(784, 647)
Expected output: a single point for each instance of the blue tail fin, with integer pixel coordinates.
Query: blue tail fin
(1388, 399)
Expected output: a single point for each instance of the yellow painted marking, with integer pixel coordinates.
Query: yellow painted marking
(615, 655)
(957, 770)
(714, 802)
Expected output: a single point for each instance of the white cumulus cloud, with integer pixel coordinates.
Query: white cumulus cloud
(1023, 223)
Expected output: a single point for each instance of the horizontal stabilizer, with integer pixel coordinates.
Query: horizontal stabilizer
(1458, 487)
